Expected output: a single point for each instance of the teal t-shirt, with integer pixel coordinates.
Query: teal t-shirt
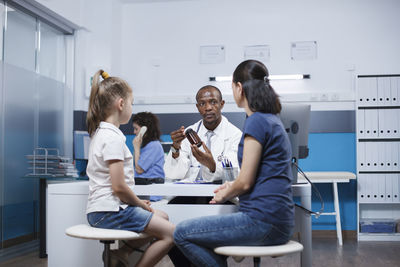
(151, 160)
(270, 199)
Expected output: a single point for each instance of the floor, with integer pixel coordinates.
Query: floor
(326, 253)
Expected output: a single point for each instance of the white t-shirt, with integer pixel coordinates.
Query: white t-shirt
(108, 143)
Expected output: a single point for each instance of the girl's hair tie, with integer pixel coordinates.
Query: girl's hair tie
(105, 75)
(266, 80)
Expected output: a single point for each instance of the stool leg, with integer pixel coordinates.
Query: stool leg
(106, 258)
(337, 211)
(256, 261)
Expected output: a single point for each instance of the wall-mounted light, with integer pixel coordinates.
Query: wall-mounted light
(271, 77)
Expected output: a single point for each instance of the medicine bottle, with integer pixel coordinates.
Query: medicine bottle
(193, 138)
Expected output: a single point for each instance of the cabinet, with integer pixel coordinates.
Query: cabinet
(378, 153)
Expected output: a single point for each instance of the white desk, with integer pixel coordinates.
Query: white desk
(67, 206)
(334, 178)
(180, 212)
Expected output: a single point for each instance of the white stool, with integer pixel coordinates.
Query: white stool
(105, 236)
(259, 251)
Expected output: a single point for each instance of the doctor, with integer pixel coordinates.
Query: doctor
(220, 141)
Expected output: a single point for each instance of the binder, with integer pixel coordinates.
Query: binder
(394, 90)
(381, 187)
(374, 156)
(374, 123)
(361, 156)
(368, 122)
(388, 188)
(372, 95)
(381, 156)
(381, 123)
(396, 156)
(381, 92)
(388, 156)
(361, 123)
(369, 188)
(395, 184)
(395, 113)
(369, 147)
(361, 188)
(362, 88)
(384, 89)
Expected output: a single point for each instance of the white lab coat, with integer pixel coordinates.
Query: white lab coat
(223, 144)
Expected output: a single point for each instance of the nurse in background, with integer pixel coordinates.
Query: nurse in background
(149, 154)
(187, 161)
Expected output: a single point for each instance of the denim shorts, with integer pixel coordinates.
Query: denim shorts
(131, 218)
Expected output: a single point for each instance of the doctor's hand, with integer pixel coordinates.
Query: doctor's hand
(177, 137)
(146, 205)
(204, 158)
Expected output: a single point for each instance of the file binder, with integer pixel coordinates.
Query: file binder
(395, 184)
(394, 90)
(388, 188)
(384, 90)
(381, 187)
(361, 123)
(381, 156)
(361, 156)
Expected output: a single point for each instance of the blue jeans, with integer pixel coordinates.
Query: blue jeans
(198, 237)
(131, 218)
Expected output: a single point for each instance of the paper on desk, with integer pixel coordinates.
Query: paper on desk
(190, 181)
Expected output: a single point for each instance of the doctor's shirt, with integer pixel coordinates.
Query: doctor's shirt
(224, 144)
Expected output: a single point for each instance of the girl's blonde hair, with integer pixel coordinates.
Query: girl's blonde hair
(102, 96)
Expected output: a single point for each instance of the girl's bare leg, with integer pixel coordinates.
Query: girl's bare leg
(163, 231)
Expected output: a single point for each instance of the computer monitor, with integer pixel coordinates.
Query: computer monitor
(296, 120)
(81, 145)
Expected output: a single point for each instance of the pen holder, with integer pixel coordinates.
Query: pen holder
(230, 174)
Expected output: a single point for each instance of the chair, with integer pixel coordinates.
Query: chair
(105, 236)
(259, 251)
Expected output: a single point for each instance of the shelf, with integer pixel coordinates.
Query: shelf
(379, 139)
(378, 107)
(378, 236)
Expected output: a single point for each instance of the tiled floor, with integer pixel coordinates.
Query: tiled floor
(326, 253)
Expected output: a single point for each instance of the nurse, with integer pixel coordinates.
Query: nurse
(220, 141)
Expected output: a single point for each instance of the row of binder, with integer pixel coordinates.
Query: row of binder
(378, 91)
(373, 123)
(378, 188)
(378, 156)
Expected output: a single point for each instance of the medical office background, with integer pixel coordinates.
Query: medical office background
(155, 46)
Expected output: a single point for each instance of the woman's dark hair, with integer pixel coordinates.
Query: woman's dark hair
(253, 75)
(152, 123)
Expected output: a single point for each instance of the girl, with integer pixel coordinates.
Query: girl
(112, 204)
(266, 211)
(149, 154)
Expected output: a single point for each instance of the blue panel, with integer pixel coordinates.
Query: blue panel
(19, 220)
(333, 152)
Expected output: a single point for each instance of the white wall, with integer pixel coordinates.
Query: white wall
(154, 45)
(161, 40)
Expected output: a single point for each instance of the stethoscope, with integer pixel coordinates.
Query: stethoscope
(221, 156)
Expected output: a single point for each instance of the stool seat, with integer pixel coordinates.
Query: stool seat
(105, 236)
(260, 251)
(87, 232)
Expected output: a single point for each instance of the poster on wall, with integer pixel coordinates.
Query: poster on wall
(304, 50)
(212, 54)
(257, 52)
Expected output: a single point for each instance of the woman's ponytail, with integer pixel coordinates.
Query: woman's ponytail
(94, 117)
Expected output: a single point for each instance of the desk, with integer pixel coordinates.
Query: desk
(67, 206)
(334, 178)
(180, 212)
(42, 207)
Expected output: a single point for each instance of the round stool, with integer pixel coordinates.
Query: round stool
(259, 251)
(105, 236)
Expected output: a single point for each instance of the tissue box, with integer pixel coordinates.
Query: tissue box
(377, 226)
